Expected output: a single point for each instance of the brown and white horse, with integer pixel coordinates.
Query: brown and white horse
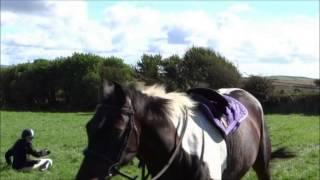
(173, 137)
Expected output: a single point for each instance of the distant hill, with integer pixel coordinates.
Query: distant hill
(293, 84)
(1, 65)
(291, 78)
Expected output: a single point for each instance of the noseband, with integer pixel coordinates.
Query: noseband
(114, 167)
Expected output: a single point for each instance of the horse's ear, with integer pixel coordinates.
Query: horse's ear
(113, 88)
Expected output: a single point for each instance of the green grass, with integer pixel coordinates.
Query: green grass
(301, 135)
(64, 135)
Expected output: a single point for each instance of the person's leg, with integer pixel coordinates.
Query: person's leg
(29, 165)
(43, 164)
(25, 169)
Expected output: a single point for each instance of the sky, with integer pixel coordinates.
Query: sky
(259, 37)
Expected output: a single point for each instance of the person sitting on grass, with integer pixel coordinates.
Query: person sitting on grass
(21, 150)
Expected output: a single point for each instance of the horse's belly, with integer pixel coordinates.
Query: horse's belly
(199, 130)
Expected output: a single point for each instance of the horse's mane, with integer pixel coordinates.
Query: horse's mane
(177, 101)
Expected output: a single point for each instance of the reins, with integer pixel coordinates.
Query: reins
(174, 154)
(114, 167)
(170, 161)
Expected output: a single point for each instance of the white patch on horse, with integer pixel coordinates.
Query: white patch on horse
(215, 149)
(107, 88)
(178, 101)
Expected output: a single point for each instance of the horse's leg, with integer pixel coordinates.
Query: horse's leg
(261, 165)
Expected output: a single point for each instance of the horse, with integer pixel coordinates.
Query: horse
(172, 137)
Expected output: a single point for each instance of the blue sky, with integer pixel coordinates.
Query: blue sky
(259, 37)
(267, 8)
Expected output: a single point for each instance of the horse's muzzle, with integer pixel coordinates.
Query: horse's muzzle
(91, 170)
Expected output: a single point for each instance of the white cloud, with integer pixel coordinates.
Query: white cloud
(67, 29)
(7, 18)
(271, 46)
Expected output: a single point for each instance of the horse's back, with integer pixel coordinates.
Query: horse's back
(233, 154)
(243, 145)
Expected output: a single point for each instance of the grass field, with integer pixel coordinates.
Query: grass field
(64, 135)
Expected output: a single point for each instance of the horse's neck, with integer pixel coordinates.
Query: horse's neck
(160, 142)
(156, 154)
(159, 136)
(157, 143)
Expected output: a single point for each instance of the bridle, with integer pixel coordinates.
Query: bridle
(129, 129)
(114, 168)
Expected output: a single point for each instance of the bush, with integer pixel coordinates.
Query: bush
(260, 87)
(305, 104)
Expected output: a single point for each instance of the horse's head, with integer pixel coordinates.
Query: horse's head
(113, 135)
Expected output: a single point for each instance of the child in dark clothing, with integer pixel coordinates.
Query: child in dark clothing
(21, 150)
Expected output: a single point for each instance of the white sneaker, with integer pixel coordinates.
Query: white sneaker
(45, 166)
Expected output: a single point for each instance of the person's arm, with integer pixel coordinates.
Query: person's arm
(36, 153)
(8, 156)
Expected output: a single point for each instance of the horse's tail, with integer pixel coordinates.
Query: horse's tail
(282, 153)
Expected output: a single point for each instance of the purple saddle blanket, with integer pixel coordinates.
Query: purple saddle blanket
(229, 121)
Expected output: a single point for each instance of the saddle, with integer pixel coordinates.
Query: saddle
(211, 98)
(225, 112)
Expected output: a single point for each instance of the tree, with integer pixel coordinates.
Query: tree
(7, 76)
(148, 68)
(73, 82)
(79, 81)
(40, 80)
(21, 85)
(194, 67)
(317, 82)
(261, 87)
(171, 73)
(203, 65)
(115, 69)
